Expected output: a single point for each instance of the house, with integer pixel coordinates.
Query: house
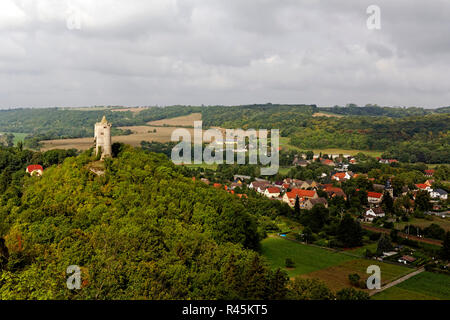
(334, 192)
(341, 176)
(429, 182)
(423, 186)
(272, 192)
(406, 259)
(373, 213)
(387, 161)
(328, 162)
(429, 173)
(290, 197)
(439, 194)
(241, 178)
(35, 169)
(310, 203)
(300, 162)
(204, 180)
(259, 185)
(374, 197)
(217, 185)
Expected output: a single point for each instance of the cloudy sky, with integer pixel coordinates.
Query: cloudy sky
(164, 52)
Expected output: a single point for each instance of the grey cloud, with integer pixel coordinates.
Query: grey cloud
(223, 52)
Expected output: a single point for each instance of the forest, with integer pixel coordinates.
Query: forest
(140, 230)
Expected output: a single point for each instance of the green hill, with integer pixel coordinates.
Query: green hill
(139, 231)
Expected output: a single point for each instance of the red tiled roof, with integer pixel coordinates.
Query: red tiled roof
(374, 195)
(273, 190)
(34, 167)
(421, 186)
(340, 175)
(217, 185)
(301, 193)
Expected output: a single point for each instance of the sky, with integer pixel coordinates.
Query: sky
(223, 52)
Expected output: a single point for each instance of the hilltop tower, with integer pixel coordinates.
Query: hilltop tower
(102, 138)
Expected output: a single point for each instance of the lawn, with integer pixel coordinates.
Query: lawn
(17, 136)
(336, 277)
(307, 258)
(360, 251)
(424, 286)
(423, 223)
(331, 267)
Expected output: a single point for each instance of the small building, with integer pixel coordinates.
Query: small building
(35, 170)
(373, 213)
(439, 194)
(341, 176)
(310, 203)
(406, 259)
(374, 197)
(429, 173)
(423, 186)
(303, 195)
(272, 192)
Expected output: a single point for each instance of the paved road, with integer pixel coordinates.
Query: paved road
(399, 280)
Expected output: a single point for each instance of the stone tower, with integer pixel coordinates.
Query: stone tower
(103, 138)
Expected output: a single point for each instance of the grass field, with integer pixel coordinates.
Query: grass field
(424, 286)
(307, 258)
(331, 267)
(184, 121)
(140, 133)
(360, 251)
(326, 114)
(423, 223)
(17, 136)
(336, 277)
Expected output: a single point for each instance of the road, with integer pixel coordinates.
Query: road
(399, 280)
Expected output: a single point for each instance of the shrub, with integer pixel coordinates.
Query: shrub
(289, 263)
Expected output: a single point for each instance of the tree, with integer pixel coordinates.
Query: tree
(349, 232)
(423, 200)
(4, 254)
(445, 251)
(309, 289)
(384, 244)
(289, 263)
(297, 206)
(352, 294)
(388, 202)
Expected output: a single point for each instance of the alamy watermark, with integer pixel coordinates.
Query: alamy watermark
(261, 148)
(374, 281)
(74, 279)
(374, 19)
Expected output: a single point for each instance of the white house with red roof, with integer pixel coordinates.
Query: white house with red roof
(423, 186)
(341, 176)
(35, 170)
(272, 192)
(374, 197)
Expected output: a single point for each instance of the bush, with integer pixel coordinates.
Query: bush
(289, 263)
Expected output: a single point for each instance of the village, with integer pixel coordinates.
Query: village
(307, 193)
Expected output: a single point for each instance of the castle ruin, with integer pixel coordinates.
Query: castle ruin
(102, 138)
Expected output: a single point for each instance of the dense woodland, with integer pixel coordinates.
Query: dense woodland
(141, 230)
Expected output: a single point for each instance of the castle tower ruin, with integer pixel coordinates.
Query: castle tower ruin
(102, 138)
